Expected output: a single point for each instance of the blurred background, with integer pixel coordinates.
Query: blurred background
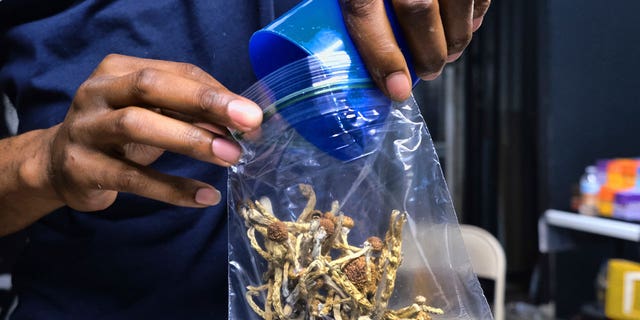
(545, 89)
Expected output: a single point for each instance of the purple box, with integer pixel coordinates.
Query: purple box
(627, 205)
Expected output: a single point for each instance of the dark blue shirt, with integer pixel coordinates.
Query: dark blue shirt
(139, 259)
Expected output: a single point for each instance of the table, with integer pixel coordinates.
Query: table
(552, 227)
(575, 245)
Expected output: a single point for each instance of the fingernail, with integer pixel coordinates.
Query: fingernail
(208, 196)
(454, 57)
(225, 150)
(398, 86)
(245, 115)
(477, 22)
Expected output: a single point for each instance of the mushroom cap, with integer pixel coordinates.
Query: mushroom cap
(277, 231)
(347, 222)
(328, 225)
(376, 243)
(356, 272)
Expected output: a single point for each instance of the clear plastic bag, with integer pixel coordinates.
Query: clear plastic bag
(339, 210)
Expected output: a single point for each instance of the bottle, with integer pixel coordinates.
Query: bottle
(589, 188)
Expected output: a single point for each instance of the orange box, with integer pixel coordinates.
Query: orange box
(606, 196)
(621, 175)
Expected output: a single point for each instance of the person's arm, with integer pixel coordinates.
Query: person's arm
(436, 32)
(122, 119)
(25, 192)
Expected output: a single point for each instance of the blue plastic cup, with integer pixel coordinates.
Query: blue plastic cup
(331, 103)
(343, 119)
(313, 27)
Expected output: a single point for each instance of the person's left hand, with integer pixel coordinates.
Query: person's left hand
(436, 32)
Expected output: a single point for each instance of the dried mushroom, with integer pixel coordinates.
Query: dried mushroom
(314, 272)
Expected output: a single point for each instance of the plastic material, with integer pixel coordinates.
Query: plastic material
(395, 169)
(589, 189)
(337, 109)
(314, 27)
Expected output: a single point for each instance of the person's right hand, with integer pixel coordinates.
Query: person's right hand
(436, 32)
(126, 115)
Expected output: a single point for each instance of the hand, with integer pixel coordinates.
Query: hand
(126, 115)
(436, 32)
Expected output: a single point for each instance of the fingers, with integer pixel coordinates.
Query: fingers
(166, 90)
(89, 180)
(422, 27)
(104, 173)
(437, 31)
(152, 81)
(480, 8)
(120, 65)
(369, 27)
(430, 24)
(149, 183)
(457, 22)
(148, 128)
(127, 114)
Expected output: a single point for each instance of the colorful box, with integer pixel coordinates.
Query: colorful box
(622, 300)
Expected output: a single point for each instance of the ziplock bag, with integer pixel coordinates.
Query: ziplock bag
(338, 208)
